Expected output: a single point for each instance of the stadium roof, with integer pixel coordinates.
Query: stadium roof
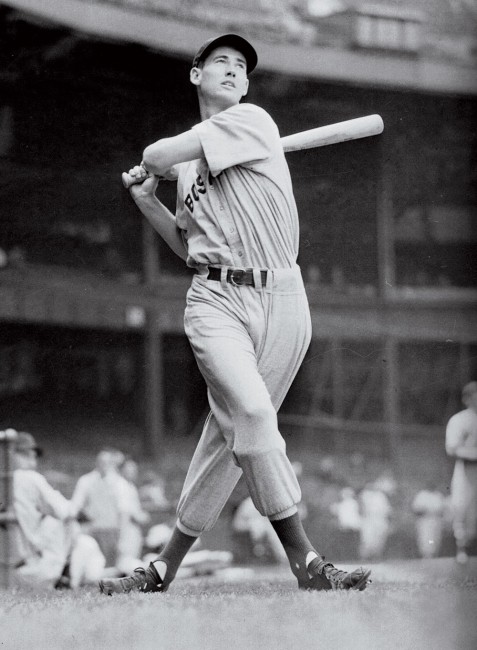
(284, 38)
(442, 16)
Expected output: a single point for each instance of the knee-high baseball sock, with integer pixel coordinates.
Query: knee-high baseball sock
(170, 558)
(297, 546)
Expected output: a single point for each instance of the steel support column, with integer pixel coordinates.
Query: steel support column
(153, 352)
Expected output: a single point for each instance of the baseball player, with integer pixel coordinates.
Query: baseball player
(247, 316)
(461, 444)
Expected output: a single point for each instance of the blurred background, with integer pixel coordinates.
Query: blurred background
(92, 348)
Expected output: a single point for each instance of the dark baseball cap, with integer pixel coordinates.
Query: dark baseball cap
(26, 442)
(232, 40)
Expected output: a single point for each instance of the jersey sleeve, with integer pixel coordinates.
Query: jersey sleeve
(240, 135)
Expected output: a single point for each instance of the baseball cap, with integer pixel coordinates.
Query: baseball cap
(26, 442)
(232, 40)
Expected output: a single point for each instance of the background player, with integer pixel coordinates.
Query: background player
(461, 444)
(247, 315)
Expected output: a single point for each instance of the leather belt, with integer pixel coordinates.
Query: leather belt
(237, 277)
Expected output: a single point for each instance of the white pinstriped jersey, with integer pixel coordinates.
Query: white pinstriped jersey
(236, 206)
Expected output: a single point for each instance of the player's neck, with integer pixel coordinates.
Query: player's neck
(209, 107)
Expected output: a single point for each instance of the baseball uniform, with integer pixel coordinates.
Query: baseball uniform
(462, 432)
(246, 317)
(236, 209)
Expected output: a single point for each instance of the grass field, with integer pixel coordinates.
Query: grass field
(410, 605)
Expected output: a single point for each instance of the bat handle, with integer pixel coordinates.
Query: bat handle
(131, 180)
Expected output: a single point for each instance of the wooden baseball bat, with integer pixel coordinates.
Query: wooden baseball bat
(360, 127)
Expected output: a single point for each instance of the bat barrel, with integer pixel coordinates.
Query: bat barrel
(360, 127)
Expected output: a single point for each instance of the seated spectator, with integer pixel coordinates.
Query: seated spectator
(48, 539)
(100, 499)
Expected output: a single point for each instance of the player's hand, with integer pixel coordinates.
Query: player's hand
(145, 189)
(138, 173)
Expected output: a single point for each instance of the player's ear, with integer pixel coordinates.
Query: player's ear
(246, 88)
(195, 76)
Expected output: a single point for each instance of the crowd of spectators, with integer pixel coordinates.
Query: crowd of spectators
(71, 542)
(119, 517)
(355, 516)
(115, 521)
(361, 511)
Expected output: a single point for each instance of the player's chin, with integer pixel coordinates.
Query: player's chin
(229, 95)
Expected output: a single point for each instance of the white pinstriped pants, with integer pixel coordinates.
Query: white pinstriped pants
(249, 343)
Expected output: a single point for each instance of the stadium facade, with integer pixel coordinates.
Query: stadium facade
(91, 302)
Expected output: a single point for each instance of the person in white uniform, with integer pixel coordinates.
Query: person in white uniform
(101, 500)
(461, 444)
(47, 537)
(247, 316)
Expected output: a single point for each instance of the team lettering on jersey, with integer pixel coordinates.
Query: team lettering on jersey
(198, 187)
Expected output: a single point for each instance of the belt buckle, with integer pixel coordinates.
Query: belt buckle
(239, 281)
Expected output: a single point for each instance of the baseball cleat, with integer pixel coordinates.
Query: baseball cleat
(311, 578)
(324, 576)
(144, 580)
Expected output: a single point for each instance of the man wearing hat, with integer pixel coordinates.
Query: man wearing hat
(461, 444)
(47, 536)
(247, 316)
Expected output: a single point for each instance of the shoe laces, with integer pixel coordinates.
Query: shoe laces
(137, 579)
(333, 574)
